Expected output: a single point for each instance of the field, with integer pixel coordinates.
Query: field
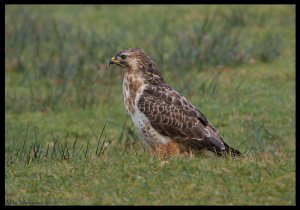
(69, 141)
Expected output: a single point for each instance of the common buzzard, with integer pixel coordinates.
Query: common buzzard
(166, 121)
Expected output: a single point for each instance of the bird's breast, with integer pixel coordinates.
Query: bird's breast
(132, 88)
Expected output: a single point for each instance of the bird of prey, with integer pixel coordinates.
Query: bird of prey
(165, 120)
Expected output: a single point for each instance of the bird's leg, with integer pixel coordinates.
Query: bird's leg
(165, 150)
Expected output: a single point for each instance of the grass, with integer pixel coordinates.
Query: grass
(141, 180)
(68, 139)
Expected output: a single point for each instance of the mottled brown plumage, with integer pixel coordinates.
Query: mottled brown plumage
(164, 119)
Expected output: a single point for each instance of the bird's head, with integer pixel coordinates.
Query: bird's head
(135, 60)
(129, 58)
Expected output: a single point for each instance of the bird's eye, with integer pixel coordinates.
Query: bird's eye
(123, 57)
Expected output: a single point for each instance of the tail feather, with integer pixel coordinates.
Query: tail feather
(229, 151)
(216, 139)
(197, 145)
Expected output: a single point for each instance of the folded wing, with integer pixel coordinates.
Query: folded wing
(172, 115)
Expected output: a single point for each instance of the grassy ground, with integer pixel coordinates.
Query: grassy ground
(68, 139)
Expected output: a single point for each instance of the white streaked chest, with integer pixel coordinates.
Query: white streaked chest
(133, 87)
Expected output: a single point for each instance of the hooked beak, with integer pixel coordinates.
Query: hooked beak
(113, 60)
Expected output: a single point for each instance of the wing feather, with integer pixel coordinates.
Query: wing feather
(172, 115)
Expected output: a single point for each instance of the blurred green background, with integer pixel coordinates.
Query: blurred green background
(61, 52)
